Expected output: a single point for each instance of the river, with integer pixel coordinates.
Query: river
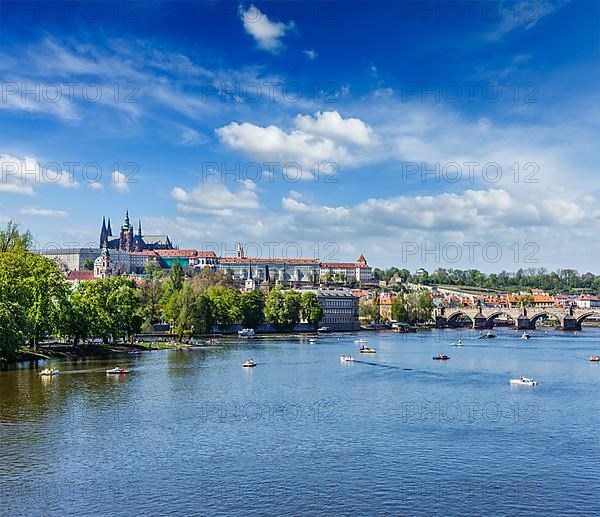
(393, 433)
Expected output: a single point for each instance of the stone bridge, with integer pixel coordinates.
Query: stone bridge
(525, 318)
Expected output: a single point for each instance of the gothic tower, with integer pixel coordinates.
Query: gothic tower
(103, 233)
(126, 237)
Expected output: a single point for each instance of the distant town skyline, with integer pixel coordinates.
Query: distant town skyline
(225, 123)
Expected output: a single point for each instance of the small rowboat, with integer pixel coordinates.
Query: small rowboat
(523, 381)
(117, 371)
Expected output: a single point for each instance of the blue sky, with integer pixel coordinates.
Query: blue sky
(447, 137)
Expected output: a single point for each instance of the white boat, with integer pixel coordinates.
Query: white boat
(249, 364)
(360, 340)
(346, 358)
(457, 343)
(117, 371)
(524, 381)
(49, 372)
(525, 336)
(323, 329)
(312, 340)
(246, 333)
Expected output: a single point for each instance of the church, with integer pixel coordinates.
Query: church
(128, 241)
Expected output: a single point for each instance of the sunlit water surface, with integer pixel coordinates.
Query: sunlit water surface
(192, 432)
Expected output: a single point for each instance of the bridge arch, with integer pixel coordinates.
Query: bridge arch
(585, 315)
(490, 319)
(454, 317)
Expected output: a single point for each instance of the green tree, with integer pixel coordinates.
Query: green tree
(13, 325)
(252, 306)
(13, 240)
(275, 307)
(88, 265)
(312, 312)
(151, 293)
(292, 302)
(226, 304)
(399, 309)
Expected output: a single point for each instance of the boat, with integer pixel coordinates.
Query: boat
(489, 335)
(246, 333)
(346, 358)
(366, 350)
(323, 329)
(595, 358)
(134, 352)
(457, 343)
(249, 364)
(441, 357)
(117, 371)
(360, 340)
(524, 381)
(525, 336)
(312, 340)
(49, 372)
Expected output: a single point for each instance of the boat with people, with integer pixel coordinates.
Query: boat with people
(525, 336)
(524, 381)
(246, 333)
(440, 357)
(366, 350)
(117, 371)
(488, 335)
(249, 364)
(346, 358)
(595, 358)
(49, 372)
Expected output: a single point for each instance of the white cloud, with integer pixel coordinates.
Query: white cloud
(95, 185)
(21, 175)
(310, 54)
(215, 199)
(191, 137)
(325, 138)
(266, 32)
(119, 182)
(43, 212)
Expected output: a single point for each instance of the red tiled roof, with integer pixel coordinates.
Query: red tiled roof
(237, 260)
(80, 275)
(352, 265)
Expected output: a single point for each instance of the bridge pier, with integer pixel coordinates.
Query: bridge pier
(481, 322)
(441, 322)
(571, 323)
(524, 323)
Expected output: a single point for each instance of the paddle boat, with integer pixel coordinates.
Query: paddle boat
(366, 350)
(117, 371)
(525, 336)
(249, 364)
(346, 358)
(488, 335)
(440, 357)
(523, 381)
(246, 333)
(595, 358)
(49, 372)
(457, 343)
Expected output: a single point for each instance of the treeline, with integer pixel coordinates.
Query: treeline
(412, 308)
(567, 281)
(36, 301)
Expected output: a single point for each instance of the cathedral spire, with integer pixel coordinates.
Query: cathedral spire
(139, 228)
(127, 218)
(103, 232)
(109, 229)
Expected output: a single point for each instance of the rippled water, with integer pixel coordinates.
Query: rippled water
(395, 432)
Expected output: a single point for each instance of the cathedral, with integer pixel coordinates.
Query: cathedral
(128, 241)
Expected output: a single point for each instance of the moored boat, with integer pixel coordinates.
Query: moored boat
(524, 381)
(246, 333)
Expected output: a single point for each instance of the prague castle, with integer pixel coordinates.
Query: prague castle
(127, 241)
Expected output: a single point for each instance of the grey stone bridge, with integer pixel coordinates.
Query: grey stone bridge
(525, 318)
